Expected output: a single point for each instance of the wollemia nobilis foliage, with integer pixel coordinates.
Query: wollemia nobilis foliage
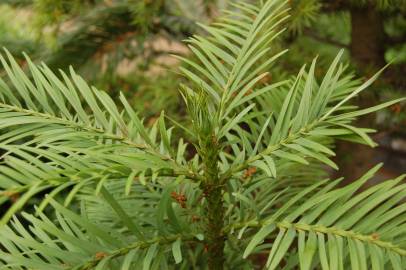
(115, 194)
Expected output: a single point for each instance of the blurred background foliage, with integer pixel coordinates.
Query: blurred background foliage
(125, 45)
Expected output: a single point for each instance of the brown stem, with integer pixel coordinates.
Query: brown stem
(367, 52)
(367, 37)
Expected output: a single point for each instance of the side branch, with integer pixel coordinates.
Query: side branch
(137, 245)
(143, 147)
(373, 239)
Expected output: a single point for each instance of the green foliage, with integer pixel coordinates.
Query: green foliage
(247, 180)
(150, 98)
(54, 12)
(304, 14)
(145, 12)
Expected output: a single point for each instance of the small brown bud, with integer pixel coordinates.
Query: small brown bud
(250, 172)
(396, 108)
(179, 198)
(375, 236)
(100, 255)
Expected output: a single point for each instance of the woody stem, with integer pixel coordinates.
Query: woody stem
(214, 208)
